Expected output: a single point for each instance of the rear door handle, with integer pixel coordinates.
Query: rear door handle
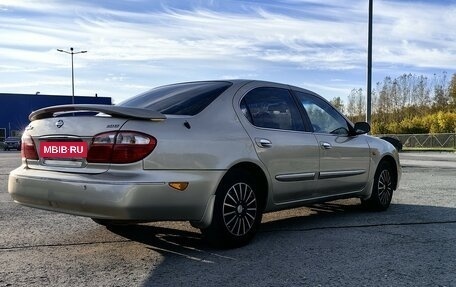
(326, 145)
(263, 142)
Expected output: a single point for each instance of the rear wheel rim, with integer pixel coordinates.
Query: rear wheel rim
(239, 209)
(385, 187)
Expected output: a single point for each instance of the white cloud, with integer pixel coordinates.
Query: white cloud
(142, 47)
(415, 34)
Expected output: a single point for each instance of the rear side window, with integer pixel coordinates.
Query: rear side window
(272, 108)
(179, 99)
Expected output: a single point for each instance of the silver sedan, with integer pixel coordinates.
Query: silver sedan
(216, 153)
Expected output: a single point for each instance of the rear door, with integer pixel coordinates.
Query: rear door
(272, 119)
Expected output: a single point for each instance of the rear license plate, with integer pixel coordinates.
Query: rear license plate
(63, 149)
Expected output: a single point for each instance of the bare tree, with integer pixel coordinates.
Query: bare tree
(452, 90)
(338, 104)
(422, 93)
(356, 108)
(441, 92)
(406, 102)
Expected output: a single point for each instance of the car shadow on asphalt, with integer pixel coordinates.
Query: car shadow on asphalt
(285, 238)
(178, 241)
(310, 236)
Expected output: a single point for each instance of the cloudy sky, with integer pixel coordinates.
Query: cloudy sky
(134, 45)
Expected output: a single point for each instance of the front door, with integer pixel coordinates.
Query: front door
(344, 159)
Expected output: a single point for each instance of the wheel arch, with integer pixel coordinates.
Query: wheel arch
(247, 167)
(392, 163)
(257, 174)
(244, 213)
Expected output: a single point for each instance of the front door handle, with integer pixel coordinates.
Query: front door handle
(326, 145)
(263, 142)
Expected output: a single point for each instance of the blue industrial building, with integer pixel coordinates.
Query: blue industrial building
(15, 109)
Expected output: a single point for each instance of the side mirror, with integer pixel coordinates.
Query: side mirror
(361, 128)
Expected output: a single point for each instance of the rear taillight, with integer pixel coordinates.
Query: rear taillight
(28, 149)
(120, 147)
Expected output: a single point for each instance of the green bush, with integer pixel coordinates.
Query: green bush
(447, 122)
(439, 122)
(413, 126)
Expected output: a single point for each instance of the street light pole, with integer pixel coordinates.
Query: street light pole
(71, 52)
(369, 65)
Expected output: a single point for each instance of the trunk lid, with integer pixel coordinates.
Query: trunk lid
(65, 130)
(77, 127)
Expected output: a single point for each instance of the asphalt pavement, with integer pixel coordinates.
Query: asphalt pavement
(332, 244)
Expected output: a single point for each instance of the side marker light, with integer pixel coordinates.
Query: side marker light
(181, 186)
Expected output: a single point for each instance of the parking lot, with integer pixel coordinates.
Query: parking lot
(333, 244)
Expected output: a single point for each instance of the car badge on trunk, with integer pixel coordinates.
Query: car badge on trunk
(59, 124)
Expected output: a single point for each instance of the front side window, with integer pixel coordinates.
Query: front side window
(179, 99)
(323, 117)
(272, 108)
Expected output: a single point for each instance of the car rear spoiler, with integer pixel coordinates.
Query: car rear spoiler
(118, 111)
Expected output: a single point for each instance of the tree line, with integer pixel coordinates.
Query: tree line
(408, 104)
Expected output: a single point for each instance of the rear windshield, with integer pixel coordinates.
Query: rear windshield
(179, 99)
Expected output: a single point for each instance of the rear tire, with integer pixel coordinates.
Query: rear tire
(237, 212)
(382, 191)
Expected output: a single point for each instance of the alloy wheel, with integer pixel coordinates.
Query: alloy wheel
(240, 209)
(385, 187)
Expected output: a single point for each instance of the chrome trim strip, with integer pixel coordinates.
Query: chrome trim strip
(62, 137)
(320, 198)
(63, 163)
(296, 176)
(343, 173)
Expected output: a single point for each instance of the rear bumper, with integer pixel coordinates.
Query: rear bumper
(143, 195)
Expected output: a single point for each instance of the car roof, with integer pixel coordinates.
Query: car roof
(246, 81)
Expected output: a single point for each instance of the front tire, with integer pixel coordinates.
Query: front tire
(382, 192)
(237, 212)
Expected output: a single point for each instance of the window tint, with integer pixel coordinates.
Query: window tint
(272, 108)
(179, 99)
(323, 117)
